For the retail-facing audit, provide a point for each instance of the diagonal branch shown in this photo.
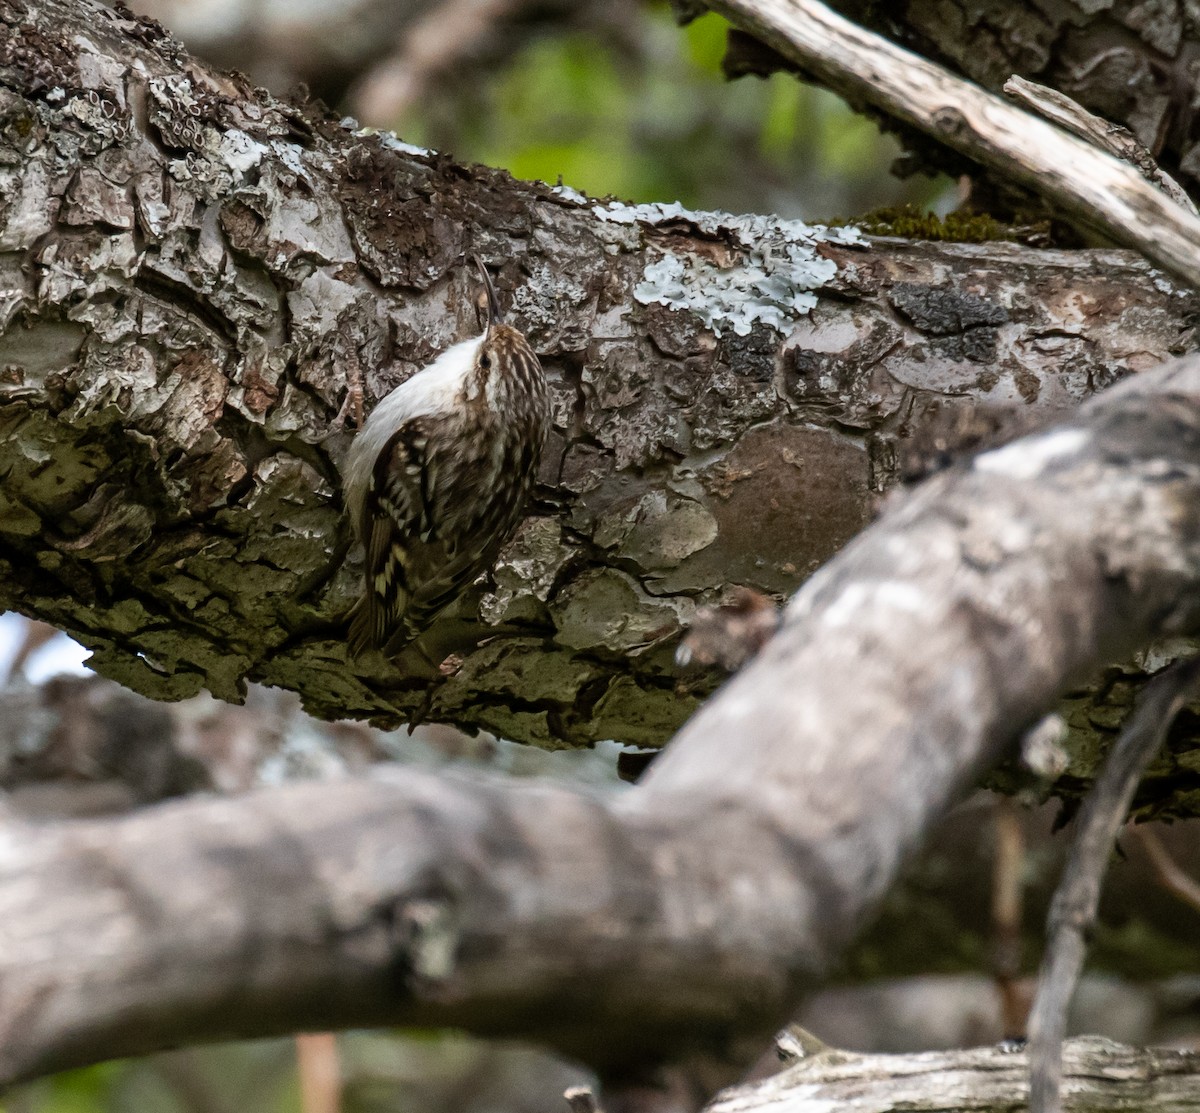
(1118, 141)
(1073, 911)
(1089, 184)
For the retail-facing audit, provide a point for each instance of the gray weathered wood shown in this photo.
(1092, 186)
(1099, 1075)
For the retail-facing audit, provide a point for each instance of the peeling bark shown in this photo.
(193, 275)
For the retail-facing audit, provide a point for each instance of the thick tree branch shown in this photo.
(195, 276)
(86, 746)
(691, 910)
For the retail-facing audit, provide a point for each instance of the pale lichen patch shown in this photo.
(774, 281)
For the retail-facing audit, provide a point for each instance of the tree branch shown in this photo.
(194, 276)
(683, 919)
(1102, 1075)
(1118, 141)
(1125, 63)
(1093, 187)
(1073, 910)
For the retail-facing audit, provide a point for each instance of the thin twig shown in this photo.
(33, 636)
(1166, 869)
(1007, 902)
(443, 36)
(1073, 909)
(1090, 185)
(319, 1067)
(1119, 141)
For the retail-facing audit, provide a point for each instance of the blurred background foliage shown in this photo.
(610, 95)
(650, 117)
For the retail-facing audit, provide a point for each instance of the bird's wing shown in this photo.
(397, 516)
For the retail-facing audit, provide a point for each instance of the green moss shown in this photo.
(911, 223)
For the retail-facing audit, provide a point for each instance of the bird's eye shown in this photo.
(485, 361)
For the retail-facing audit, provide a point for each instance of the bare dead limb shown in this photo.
(1168, 872)
(1073, 910)
(1118, 141)
(1102, 1075)
(1089, 184)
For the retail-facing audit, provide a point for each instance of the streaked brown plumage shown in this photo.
(436, 481)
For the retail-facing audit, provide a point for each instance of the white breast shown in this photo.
(435, 389)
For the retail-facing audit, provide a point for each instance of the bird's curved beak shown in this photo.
(494, 316)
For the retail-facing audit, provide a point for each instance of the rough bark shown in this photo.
(1100, 1074)
(194, 275)
(682, 918)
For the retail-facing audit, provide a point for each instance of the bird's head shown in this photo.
(503, 352)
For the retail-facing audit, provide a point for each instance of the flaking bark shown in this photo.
(195, 275)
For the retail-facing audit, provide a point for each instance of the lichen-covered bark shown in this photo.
(193, 277)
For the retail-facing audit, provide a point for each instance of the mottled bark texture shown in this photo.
(1099, 1074)
(680, 920)
(1136, 64)
(194, 278)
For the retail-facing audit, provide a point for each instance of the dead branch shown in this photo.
(1101, 1075)
(1113, 60)
(1118, 141)
(1168, 872)
(1089, 184)
(1073, 910)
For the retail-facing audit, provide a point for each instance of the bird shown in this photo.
(436, 480)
